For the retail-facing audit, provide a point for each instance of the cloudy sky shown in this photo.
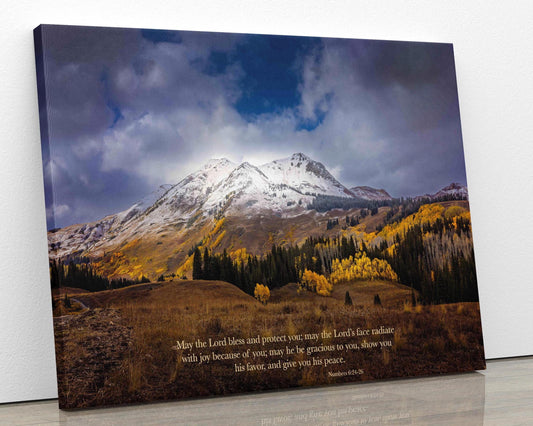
(132, 109)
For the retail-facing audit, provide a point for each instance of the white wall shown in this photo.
(494, 61)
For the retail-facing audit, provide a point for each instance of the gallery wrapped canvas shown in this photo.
(235, 212)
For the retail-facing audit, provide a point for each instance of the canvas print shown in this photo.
(235, 212)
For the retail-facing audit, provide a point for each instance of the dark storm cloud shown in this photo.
(426, 71)
(81, 190)
(77, 63)
(395, 105)
(111, 93)
(407, 63)
(131, 109)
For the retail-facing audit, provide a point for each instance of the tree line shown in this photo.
(436, 259)
(83, 275)
(276, 269)
(280, 266)
(323, 203)
(453, 280)
(401, 207)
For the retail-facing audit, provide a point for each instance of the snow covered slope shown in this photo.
(283, 187)
(222, 187)
(304, 175)
(247, 190)
(369, 193)
(454, 190)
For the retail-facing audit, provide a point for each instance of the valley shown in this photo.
(282, 254)
(122, 350)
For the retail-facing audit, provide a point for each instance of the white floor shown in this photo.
(501, 395)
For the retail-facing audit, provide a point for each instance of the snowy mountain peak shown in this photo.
(454, 186)
(304, 175)
(454, 189)
(282, 185)
(246, 165)
(247, 171)
(300, 156)
(283, 188)
(218, 162)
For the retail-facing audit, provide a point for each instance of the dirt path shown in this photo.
(83, 305)
(102, 299)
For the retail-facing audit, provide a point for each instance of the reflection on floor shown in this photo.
(501, 395)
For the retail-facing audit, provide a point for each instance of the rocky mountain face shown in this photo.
(283, 188)
(369, 193)
(454, 190)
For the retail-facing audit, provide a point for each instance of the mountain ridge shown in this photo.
(452, 190)
(281, 188)
(369, 193)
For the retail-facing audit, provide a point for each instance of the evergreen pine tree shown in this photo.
(207, 265)
(197, 270)
(347, 299)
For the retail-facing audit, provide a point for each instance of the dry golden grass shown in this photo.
(434, 340)
(392, 295)
(56, 292)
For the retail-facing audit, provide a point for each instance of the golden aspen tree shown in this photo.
(361, 268)
(317, 283)
(262, 293)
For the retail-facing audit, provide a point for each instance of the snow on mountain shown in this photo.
(75, 239)
(141, 206)
(282, 187)
(304, 175)
(454, 189)
(247, 189)
(369, 193)
(188, 195)
(79, 238)
(194, 189)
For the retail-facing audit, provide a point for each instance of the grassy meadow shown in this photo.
(119, 346)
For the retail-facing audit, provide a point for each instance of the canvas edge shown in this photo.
(38, 38)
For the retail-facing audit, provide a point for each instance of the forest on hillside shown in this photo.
(427, 247)
(323, 203)
(83, 275)
(430, 251)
